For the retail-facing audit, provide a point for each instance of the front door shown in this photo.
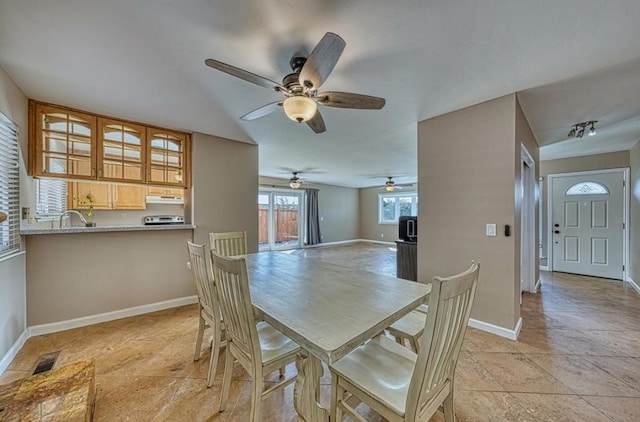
(587, 223)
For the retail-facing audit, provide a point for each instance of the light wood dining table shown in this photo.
(327, 309)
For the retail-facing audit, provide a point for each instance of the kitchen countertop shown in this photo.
(105, 229)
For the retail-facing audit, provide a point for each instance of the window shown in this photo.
(51, 197)
(9, 188)
(587, 188)
(391, 206)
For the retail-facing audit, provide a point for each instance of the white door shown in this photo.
(587, 224)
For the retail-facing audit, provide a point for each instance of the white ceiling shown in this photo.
(575, 60)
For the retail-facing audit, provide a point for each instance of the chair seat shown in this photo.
(424, 308)
(273, 343)
(411, 324)
(381, 368)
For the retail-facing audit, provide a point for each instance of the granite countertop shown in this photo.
(104, 229)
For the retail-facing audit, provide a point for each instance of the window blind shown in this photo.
(51, 197)
(9, 188)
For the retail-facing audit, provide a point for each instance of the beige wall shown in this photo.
(369, 227)
(569, 165)
(467, 164)
(634, 214)
(13, 104)
(225, 188)
(338, 208)
(77, 275)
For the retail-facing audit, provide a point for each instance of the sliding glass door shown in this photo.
(280, 219)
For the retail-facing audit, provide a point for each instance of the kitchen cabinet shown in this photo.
(72, 144)
(121, 151)
(62, 142)
(106, 196)
(166, 192)
(169, 158)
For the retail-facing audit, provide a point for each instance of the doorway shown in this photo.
(280, 219)
(528, 241)
(588, 215)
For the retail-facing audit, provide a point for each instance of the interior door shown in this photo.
(587, 224)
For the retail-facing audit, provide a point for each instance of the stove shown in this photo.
(154, 220)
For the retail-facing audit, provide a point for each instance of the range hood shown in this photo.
(164, 200)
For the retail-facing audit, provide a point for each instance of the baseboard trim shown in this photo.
(339, 242)
(346, 242)
(497, 330)
(13, 351)
(634, 285)
(544, 267)
(54, 327)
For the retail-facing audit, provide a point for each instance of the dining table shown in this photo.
(328, 309)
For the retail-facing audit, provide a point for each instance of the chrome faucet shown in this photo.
(79, 214)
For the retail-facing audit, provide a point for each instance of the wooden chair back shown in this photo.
(232, 285)
(229, 243)
(207, 295)
(450, 304)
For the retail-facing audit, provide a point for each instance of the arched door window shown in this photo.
(587, 188)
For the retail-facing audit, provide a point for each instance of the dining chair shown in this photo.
(209, 310)
(259, 348)
(399, 384)
(410, 327)
(229, 243)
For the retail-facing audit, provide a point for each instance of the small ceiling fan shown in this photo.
(301, 87)
(391, 186)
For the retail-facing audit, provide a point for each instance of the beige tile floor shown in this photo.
(577, 359)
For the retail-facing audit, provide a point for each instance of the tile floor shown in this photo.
(577, 359)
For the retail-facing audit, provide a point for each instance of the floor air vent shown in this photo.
(46, 362)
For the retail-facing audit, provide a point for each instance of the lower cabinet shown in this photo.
(106, 196)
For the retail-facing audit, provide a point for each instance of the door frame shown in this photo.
(301, 216)
(528, 253)
(625, 214)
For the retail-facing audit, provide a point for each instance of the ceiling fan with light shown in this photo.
(301, 87)
(295, 182)
(391, 186)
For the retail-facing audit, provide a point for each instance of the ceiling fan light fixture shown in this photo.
(294, 183)
(300, 108)
(389, 187)
(577, 130)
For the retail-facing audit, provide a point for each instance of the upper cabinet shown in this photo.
(168, 157)
(121, 151)
(72, 144)
(63, 143)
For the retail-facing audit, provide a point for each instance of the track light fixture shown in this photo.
(577, 130)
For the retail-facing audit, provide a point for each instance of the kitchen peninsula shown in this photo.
(112, 272)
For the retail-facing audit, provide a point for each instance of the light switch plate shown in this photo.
(491, 229)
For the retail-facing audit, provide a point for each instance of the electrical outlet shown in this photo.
(381, 234)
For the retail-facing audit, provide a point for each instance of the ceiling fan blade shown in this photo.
(350, 100)
(243, 74)
(321, 61)
(262, 111)
(317, 123)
